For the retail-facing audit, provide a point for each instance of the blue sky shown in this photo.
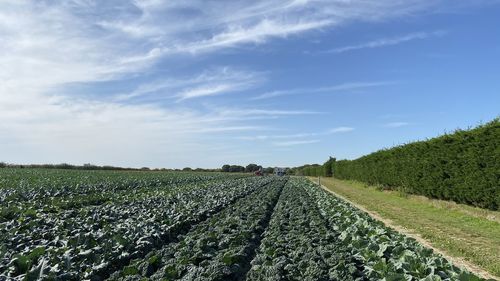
(203, 83)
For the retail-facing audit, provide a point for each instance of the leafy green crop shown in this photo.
(298, 245)
(82, 239)
(195, 226)
(384, 252)
(219, 248)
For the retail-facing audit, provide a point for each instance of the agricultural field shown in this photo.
(131, 225)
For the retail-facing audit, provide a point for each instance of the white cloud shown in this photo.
(336, 88)
(229, 129)
(298, 135)
(47, 45)
(293, 143)
(263, 112)
(258, 33)
(341, 130)
(396, 124)
(208, 90)
(248, 114)
(208, 83)
(388, 41)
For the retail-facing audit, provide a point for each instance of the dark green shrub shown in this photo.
(463, 167)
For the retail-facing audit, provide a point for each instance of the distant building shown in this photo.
(279, 171)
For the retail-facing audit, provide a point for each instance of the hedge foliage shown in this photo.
(463, 167)
(312, 170)
(316, 170)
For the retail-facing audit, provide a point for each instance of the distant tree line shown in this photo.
(232, 169)
(250, 168)
(188, 169)
(64, 166)
(96, 167)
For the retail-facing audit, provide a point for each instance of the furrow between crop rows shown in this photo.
(219, 248)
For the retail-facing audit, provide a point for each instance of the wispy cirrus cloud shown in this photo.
(396, 124)
(293, 143)
(335, 88)
(229, 129)
(256, 34)
(298, 135)
(264, 113)
(237, 114)
(383, 42)
(207, 90)
(211, 82)
(340, 130)
(215, 88)
(185, 25)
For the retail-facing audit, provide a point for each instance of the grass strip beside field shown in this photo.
(467, 234)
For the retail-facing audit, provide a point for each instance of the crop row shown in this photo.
(384, 252)
(220, 248)
(92, 241)
(22, 188)
(298, 245)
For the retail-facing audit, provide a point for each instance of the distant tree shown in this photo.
(187, 169)
(236, 169)
(269, 170)
(226, 168)
(145, 168)
(250, 168)
(328, 167)
(64, 166)
(3, 165)
(89, 166)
